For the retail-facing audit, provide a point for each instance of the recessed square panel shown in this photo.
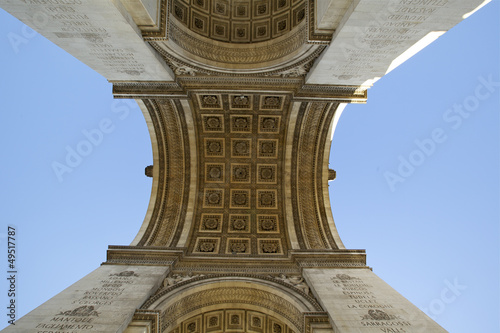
(193, 325)
(214, 172)
(212, 123)
(261, 8)
(267, 199)
(208, 245)
(256, 322)
(280, 5)
(298, 15)
(241, 32)
(238, 246)
(241, 147)
(266, 174)
(239, 223)
(214, 321)
(220, 30)
(199, 23)
(213, 198)
(267, 223)
(275, 326)
(235, 320)
(271, 102)
(211, 223)
(269, 246)
(241, 123)
(281, 25)
(201, 5)
(221, 8)
(241, 10)
(241, 102)
(269, 124)
(180, 12)
(214, 147)
(240, 199)
(267, 148)
(210, 101)
(240, 173)
(261, 30)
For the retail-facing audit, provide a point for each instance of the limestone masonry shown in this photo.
(241, 98)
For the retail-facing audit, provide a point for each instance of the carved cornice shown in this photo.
(315, 36)
(151, 316)
(293, 264)
(314, 320)
(294, 85)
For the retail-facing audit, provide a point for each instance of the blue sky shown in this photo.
(417, 181)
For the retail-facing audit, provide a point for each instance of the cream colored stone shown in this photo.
(374, 33)
(359, 301)
(103, 301)
(100, 33)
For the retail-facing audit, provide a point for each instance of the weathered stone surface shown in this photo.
(373, 35)
(100, 33)
(103, 301)
(359, 301)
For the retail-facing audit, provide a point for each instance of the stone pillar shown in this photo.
(99, 33)
(103, 301)
(375, 36)
(359, 301)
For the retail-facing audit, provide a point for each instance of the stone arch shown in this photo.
(196, 301)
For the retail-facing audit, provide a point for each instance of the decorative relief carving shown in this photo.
(296, 281)
(214, 147)
(267, 148)
(241, 147)
(271, 102)
(234, 320)
(269, 124)
(230, 55)
(82, 311)
(207, 245)
(267, 223)
(240, 173)
(241, 124)
(210, 102)
(301, 70)
(238, 245)
(214, 198)
(234, 187)
(267, 199)
(171, 134)
(173, 279)
(240, 199)
(266, 174)
(307, 155)
(125, 273)
(213, 123)
(214, 172)
(197, 17)
(238, 102)
(239, 223)
(379, 315)
(180, 69)
(269, 246)
(211, 223)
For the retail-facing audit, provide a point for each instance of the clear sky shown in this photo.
(417, 172)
